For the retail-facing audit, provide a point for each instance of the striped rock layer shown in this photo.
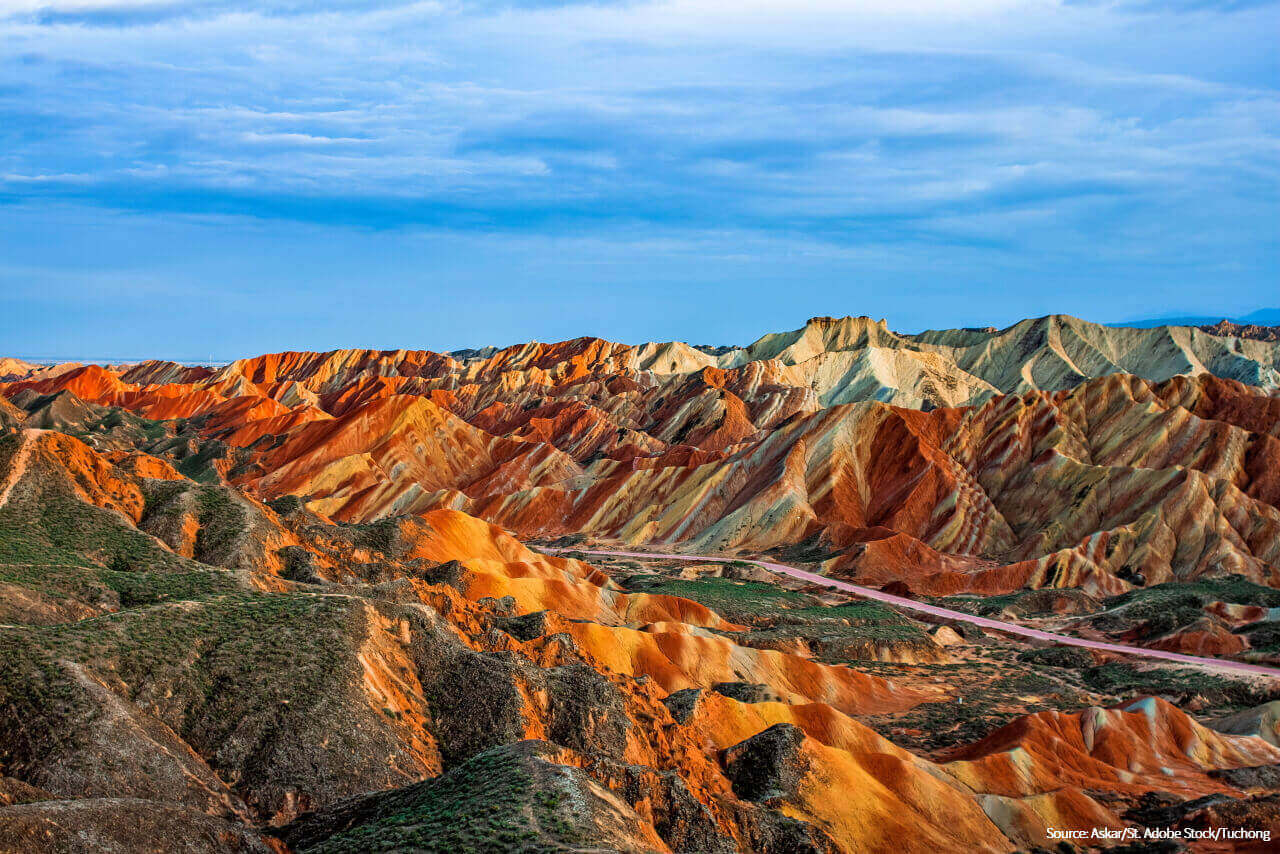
(1052, 453)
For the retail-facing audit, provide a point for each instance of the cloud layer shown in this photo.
(1019, 134)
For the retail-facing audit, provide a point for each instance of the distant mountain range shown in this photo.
(1261, 317)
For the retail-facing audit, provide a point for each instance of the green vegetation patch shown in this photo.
(63, 548)
(58, 529)
(854, 613)
(1125, 682)
(1263, 636)
(147, 588)
(93, 584)
(492, 802)
(129, 423)
(1069, 657)
(200, 465)
(777, 615)
(736, 600)
(221, 520)
(1231, 588)
(1169, 607)
(869, 620)
(990, 697)
(218, 671)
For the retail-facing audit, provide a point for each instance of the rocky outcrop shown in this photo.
(1262, 721)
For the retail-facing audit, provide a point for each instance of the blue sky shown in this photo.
(192, 178)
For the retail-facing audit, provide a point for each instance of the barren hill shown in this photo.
(1052, 453)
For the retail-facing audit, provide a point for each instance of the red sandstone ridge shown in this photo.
(1052, 453)
(397, 452)
(1245, 330)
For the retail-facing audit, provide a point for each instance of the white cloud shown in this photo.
(763, 114)
(22, 7)
(300, 139)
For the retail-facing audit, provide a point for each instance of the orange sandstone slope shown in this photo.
(808, 758)
(655, 636)
(1128, 749)
(445, 642)
(1052, 453)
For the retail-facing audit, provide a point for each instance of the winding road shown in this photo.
(959, 616)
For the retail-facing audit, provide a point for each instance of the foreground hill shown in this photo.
(183, 667)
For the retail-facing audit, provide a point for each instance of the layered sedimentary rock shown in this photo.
(191, 663)
(1053, 453)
